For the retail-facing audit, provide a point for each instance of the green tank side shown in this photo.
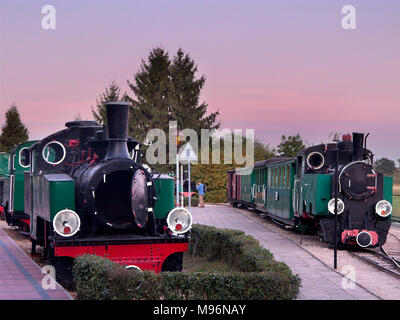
(51, 194)
(317, 191)
(165, 195)
(18, 170)
(388, 189)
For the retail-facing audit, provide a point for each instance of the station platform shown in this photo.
(318, 281)
(21, 278)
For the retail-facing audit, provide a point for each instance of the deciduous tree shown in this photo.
(290, 145)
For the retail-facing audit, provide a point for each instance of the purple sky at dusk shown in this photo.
(279, 67)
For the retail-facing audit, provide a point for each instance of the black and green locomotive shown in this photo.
(300, 192)
(84, 191)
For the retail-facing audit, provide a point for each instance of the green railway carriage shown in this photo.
(18, 164)
(247, 186)
(300, 192)
(280, 180)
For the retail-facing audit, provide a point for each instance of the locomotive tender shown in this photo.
(300, 192)
(85, 192)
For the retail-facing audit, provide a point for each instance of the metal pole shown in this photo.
(177, 181)
(190, 198)
(336, 210)
(182, 203)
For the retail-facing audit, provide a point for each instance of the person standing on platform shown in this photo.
(200, 190)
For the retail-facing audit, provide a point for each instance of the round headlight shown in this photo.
(340, 206)
(66, 223)
(383, 208)
(179, 220)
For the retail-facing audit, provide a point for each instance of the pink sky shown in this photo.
(279, 67)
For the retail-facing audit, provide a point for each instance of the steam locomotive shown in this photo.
(83, 190)
(300, 192)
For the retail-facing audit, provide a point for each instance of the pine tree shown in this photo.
(153, 91)
(14, 131)
(186, 109)
(112, 93)
(168, 91)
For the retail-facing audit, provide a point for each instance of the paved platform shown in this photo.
(21, 278)
(319, 282)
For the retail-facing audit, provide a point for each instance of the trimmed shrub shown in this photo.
(91, 274)
(261, 277)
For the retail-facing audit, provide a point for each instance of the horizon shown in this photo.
(280, 68)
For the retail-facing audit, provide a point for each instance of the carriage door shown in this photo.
(297, 189)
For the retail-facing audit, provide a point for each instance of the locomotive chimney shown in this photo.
(117, 127)
(358, 146)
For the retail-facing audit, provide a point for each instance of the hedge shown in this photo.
(259, 276)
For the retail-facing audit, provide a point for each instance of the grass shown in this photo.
(201, 264)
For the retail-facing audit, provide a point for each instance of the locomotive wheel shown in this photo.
(64, 275)
(173, 263)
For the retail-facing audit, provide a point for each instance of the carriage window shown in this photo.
(299, 165)
(273, 177)
(23, 158)
(54, 152)
(278, 178)
(284, 177)
(288, 176)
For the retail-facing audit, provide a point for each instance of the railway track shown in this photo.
(388, 262)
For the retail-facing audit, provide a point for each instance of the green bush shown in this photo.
(261, 277)
(235, 248)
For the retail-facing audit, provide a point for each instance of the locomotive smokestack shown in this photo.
(358, 146)
(117, 127)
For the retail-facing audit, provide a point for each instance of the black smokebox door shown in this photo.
(139, 198)
(113, 198)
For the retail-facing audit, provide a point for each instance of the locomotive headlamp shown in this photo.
(383, 208)
(66, 223)
(179, 220)
(340, 206)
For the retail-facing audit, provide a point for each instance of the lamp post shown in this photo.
(336, 208)
(188, 154)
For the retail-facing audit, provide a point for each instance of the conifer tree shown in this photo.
(112, 93)
(151, 107)
(14, 131)
(186, 95)
(168, 91)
